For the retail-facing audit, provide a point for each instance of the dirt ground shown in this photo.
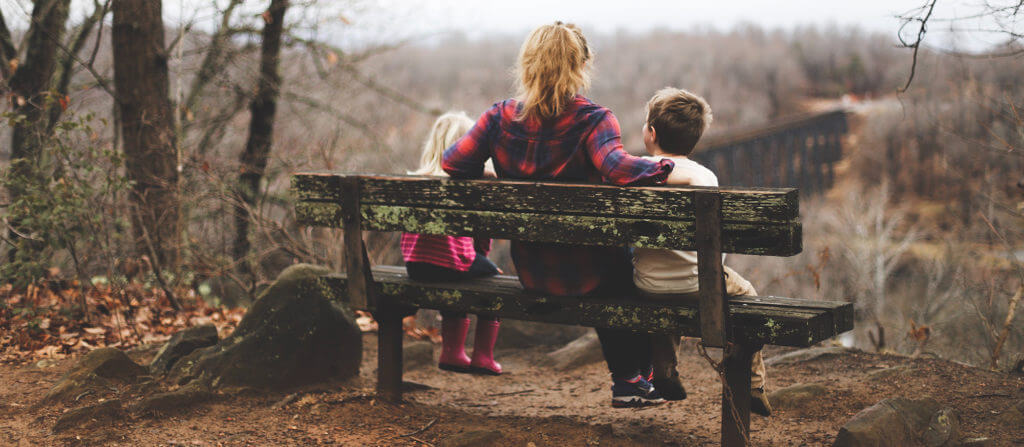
(529, 406)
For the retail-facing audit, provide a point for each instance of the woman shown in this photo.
(550, 132)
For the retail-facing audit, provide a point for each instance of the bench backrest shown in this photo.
(756, 221)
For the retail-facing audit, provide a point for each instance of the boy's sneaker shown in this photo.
(759, 402)
(634, 393)
(670, 388)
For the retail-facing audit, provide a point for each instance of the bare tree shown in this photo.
(29, 85)
(147, 126)
(261, 126)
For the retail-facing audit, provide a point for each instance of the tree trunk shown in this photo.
(261, 127)
(66, 68)
(147, 127)
(29, 85)
(7, 50)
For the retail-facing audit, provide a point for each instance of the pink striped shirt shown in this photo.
(453, 252)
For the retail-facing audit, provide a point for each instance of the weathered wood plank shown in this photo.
(675, 203)
(714, 321)
(356, 260)
(775, 239)
(736, 396)
(754, 319)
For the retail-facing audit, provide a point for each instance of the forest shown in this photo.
(145, 166)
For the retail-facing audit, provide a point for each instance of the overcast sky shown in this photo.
(384, 20)
(478, 18)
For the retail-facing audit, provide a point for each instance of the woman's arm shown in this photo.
(604, 145)
(466, 158)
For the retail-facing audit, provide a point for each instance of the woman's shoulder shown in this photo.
(587, 105)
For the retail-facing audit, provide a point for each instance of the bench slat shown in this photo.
(737, 237)
(759, 205)
(757, 319)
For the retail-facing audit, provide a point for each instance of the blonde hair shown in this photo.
(447, 129)
(553, 66)
(679, 119)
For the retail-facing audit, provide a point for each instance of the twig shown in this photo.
(512, 393)
(421, 430)
(158, 272)
(979, 396)
(917, 43)
(421, 441)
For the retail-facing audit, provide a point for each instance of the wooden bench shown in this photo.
(711, 221)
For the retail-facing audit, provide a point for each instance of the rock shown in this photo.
(170, 401)
(104, 410)
(474, 439)
(520, 334)
(804, 355)
(293, 335)
(1013, 416)
(182, 344)
(46, 363)
(796, 396)
(899, 422)
(220, 291)
(886, 373)
(417, 354)
(579, 352)
(96, 372)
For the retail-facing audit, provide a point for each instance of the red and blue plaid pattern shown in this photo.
(583, 144)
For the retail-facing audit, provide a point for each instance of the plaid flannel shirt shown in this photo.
(583, 144)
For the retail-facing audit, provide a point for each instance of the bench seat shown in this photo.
(760, 320)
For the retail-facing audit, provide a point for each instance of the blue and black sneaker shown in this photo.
(634, 393)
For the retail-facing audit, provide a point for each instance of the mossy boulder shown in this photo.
(100, 412)
(417, 354)
(168, 402)
(99, 370)
(182, 344)
(806, 355)
(579, 352)
(293, 335)
(901, 422)
(797, 396)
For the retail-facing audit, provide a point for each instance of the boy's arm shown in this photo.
(604, 145)
(465, 158)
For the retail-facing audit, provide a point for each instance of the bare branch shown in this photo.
(66, 71)
(7, 50)
(917, 43)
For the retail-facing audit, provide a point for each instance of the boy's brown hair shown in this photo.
(679, 118)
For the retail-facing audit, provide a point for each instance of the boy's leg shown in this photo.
(736, 285)
(664, 362)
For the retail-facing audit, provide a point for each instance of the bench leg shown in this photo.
(737, 376)
(389, 353)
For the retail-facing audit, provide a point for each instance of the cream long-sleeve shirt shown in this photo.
(672, 271)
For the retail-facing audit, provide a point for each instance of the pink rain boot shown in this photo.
(453, 344)
(483, 348)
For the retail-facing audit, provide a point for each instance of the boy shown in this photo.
(676, 119)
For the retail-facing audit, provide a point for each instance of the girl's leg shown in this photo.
(454, 328)
(482, 267)
(483, 345)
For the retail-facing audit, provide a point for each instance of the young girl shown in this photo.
(449, 258)
(550, 132)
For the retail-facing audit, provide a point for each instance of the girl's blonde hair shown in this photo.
(447, 129)
(553, 66)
